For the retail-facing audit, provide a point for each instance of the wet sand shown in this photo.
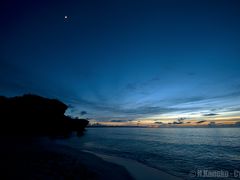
(137, 170)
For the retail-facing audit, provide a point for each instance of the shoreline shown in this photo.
(47, 159)
(137, 170)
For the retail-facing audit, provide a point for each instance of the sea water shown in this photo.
(182, 152)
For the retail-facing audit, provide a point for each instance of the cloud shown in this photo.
(83, 112)
(179, 122)
(237, 124)
(212, 124)
(119, 120)
(185, 100)
(158, 122)
(142, 85)
(210, 114)
(103, 111)
(200, 122)
(234, 109)
(181, 119)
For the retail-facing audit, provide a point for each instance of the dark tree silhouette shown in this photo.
(34, 115)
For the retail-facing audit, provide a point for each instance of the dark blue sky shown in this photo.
(125, 60)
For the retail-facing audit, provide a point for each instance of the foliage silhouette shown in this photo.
(33, 115)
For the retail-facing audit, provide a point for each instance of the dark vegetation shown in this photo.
(25, 153)
(32, 115)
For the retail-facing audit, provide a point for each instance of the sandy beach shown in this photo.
(36, 160)
(44, 159)
(137, 170)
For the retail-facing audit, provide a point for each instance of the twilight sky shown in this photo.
(126, 61)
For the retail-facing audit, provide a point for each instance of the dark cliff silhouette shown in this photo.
(34, 115)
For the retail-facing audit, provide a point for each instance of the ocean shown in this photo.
(183, 152)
